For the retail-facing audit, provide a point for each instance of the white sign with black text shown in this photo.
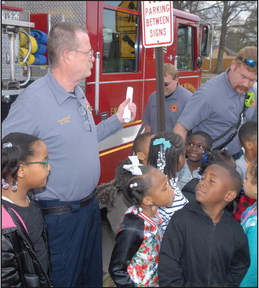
(157, 23)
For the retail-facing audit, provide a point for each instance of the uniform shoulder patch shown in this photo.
(174, 107)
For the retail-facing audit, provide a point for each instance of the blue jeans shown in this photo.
(75, 243)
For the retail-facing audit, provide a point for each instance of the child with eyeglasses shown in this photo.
(25, 258)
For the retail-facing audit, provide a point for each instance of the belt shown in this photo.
(69, 207)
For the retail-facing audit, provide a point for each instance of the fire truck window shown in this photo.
(185, 48)
(133, 5)
(120, 37)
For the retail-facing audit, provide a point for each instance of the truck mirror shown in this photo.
(206, 40)
(199, 62)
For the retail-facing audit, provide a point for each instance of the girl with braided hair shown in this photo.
(25, 258)
(167, 153)
(112, 196)
(134, 259)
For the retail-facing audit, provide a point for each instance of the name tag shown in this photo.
(64, 120)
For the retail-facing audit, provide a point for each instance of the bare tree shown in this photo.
(225, 15)
(243, 33)
(229, 11)
(195, 7)
(190, 6)
(249, 31)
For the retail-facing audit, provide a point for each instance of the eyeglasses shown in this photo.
(90, 53)
(83, 113)
(38, 162)
(167, 84)
(249, 62)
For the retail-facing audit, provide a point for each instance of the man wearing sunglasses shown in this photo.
(225, 102)
(176, 98)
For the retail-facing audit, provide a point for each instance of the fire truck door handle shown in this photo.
(171, 58)
(97, 83)
(175, 61)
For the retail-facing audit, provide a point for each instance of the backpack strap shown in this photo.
(18, 222)
(7, 220)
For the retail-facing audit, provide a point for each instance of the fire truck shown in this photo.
(121, 60)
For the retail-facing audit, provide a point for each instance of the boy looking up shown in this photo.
(203, 245)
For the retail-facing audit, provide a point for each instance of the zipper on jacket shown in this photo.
(210, 252)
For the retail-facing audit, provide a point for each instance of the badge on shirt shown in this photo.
(174, 107)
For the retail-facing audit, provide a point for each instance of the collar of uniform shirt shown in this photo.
(60, 93)
(172, 92)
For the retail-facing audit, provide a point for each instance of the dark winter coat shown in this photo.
(195, 252)
(20, 264)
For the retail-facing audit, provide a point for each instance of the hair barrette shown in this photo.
(5, 184)
(204, 157)
(7, 145)
(134, 167)
(15, 186)
(161, 161)
(135, 184)
(160, 141)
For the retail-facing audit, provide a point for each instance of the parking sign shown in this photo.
(157, 23)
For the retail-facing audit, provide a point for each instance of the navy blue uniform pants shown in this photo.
(75, 243)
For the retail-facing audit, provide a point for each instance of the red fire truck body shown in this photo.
(115, 31)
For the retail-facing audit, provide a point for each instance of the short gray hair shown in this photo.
(63, 37)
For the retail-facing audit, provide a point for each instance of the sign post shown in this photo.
(160, 94)
(157, 23)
